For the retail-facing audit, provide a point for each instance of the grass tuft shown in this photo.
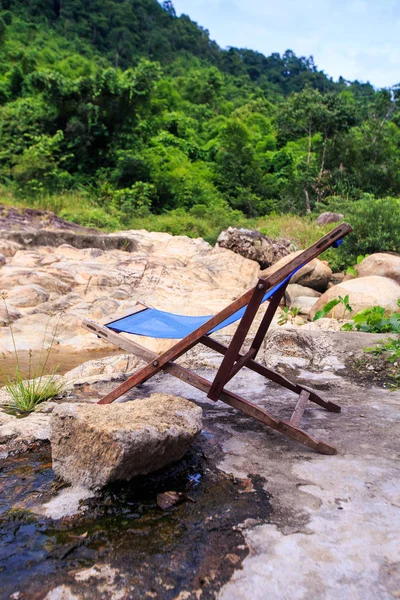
(27, 394)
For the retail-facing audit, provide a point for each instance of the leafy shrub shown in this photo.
(389, 350)
(92, 216)
(326, 309)
(136, 200)
(375, 320)
(376, 226)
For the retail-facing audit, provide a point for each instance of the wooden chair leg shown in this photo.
(273, 376)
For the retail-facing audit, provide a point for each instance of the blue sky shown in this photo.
(358, 39)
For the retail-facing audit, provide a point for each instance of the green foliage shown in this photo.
(391, 347)
(375, 320)
(389, 352)
(135, 201)
(376, 226)
(351, 270)
(288, 315)
(139, 108)
(326, 309)
(26, 395)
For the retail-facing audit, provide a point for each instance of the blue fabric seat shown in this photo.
(151, 322)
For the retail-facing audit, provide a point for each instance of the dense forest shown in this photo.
(126, 101)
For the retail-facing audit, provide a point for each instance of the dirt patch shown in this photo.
(373, 370)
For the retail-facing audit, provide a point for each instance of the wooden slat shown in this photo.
(231, 355)
(192, 339)
(267, 318)
(119, 340)
(139, 307)
(240, 363)
(299, 408)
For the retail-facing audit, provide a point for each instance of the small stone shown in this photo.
(169, 499)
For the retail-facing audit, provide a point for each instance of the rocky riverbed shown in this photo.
(253, 514)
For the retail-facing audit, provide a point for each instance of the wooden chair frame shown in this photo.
(233, 360)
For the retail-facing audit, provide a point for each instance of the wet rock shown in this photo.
(328, 217)
(254, 245)
(22, 296)
(94, 445)
(65, 504)
(363, 292)
(316, 274)
(382, 264)
(17, 435)
(294, 290)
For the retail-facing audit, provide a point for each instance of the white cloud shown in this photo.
(357, 39)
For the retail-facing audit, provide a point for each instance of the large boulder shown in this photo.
(363, 292)
(328, 217)
(254, 245)
(304, 304)
(294, 290)
(316, 274)
(94, 445)
(382, 264)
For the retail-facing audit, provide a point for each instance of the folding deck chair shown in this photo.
(146, 321)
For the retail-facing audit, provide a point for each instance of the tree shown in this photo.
(169, 8)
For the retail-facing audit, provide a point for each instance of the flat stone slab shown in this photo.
(94, 445)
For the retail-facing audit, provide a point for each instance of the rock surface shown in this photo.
(294, 290)
(363, 292)
(254, 245)
(316, 274)
(176, 274)
(23, 296)
(94, 445)
(304, 304)
(328, 217)
(382, 264)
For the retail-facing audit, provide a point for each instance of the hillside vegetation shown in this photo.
(117, 113)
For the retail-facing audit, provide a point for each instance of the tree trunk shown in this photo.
(307, 197)
(308, 206)
(319, 190)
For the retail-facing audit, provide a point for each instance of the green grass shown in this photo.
(27, 393)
